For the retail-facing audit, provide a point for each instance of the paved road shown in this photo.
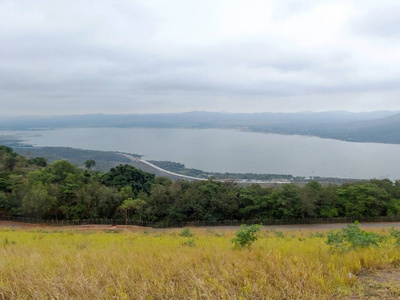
(153, 169)
(160, 170)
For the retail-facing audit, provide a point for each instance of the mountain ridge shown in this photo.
(377, 126)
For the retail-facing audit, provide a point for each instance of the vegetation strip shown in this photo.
(190, 263)
(57, 192)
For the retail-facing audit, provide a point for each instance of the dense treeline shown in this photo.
(31, 187)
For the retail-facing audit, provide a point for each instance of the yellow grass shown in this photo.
(38, 264)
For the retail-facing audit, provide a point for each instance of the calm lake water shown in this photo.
(234, 151)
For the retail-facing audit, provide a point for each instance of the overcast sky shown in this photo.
(141, 56)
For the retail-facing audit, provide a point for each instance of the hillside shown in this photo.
(105, 160)
(385, 130)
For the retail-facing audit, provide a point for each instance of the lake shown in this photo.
(221, 150)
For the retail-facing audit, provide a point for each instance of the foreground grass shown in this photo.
(39, 264)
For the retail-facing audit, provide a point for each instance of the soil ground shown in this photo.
(12, 224)
(379, 284)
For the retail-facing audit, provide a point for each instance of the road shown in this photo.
(161, 172)
(153, 169)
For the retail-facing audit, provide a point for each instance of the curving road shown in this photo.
(161, 171)
(151, 168)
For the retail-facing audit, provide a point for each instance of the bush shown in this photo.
(394, 233)
(352, 238)
(190, 243)
(246, 236)
(186, 232)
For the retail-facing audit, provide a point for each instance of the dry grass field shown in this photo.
(46, 263)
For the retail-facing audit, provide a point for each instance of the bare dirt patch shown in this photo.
(11, 224)
(379, 284)
(19, 225)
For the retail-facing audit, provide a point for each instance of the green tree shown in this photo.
(309, 197)
(8, 158)
(10, 162)
(18, 189)
(139, 205)
(363, 199)
(4, 203)
(109, 201)
(286, 201)
(160, 202)
(90, 163)
(61, 168)
(129, 206)
(126, 192)
(328, 206)
(393, 207)
(37, 202)
(127, 175)
(41, 175)
(38, 161)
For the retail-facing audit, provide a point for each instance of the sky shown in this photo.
(156, 56)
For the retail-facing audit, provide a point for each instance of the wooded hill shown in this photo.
(61, 190)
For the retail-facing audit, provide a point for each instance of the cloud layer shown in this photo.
(70, 57)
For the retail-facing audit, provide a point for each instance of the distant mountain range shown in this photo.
(378, 126)
(384, 130)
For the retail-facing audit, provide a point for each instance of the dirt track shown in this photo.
(11, 224)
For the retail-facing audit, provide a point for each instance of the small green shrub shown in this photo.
(190, 243)
(394, 233)
(186, 232)
(246, 236)
(212, 232)
(352, 238)
(316, 235)
(6, 242)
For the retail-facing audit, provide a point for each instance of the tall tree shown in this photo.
(90, 163)
(129, 206)
(37, 202)
(309, 197)
(127, 175)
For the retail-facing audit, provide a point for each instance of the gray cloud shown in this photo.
(381, 22)
(144, 56)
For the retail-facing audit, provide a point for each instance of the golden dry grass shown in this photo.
(39, 264)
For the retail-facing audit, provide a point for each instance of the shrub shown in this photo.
(190, 243)
(394, 233)
(352, 238)
(316, 235)
(186, 232)
(246, 236)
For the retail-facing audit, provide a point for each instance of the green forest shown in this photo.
(62, 191)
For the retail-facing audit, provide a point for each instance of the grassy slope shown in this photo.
(39, 264)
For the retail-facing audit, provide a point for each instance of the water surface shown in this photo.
(221, 150)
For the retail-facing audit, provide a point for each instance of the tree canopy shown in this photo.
(61, 190)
